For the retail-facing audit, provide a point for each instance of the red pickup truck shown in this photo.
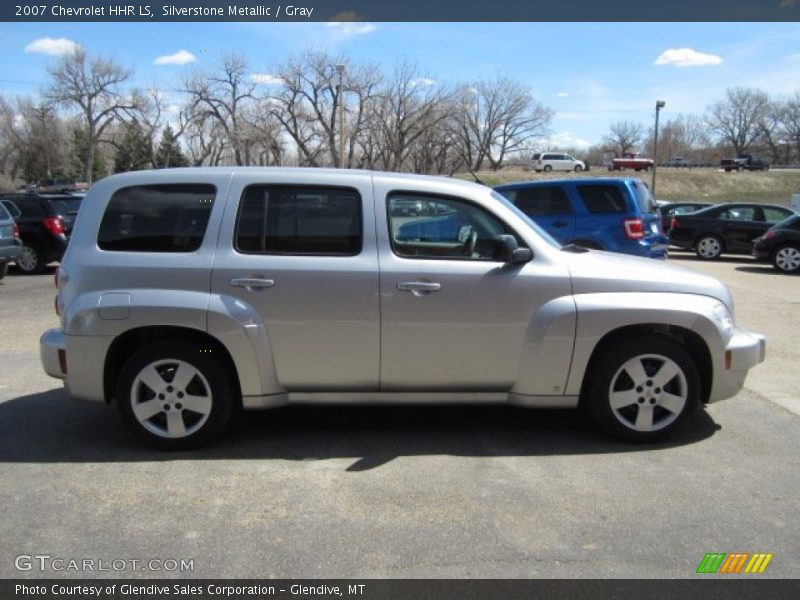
(631, 160)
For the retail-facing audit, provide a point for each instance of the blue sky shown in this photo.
(591, 74)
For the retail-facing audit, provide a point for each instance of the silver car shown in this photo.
(10, 244)
(187, 293)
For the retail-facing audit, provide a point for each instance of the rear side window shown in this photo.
(4, 216)
(157, 218)
(299, 220)
(543, 201)
(11, 208)
(602, 198)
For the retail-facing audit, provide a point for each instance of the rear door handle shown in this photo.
(252, 284)
(419, 288)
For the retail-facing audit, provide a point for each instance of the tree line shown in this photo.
(319, 109)
(745, 121)
(88, 121)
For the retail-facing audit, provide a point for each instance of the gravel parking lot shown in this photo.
(405, 492)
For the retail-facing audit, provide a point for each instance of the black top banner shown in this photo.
(406, 10)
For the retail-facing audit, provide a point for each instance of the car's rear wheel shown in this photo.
(708, 247)
(548, 168)
(175, 394)
(643, 388)
(31, 261)
(787, 258)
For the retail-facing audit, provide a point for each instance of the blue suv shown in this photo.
(616, 214)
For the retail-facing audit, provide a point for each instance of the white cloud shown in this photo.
(346, 29)
(566, 139)
(52, 46)
(181, 57)
(265, 78)
(687, 57)
(794, 57)
(561, 94)
(423, 81)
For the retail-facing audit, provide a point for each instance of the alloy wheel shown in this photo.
(648, 392)
(788, 259)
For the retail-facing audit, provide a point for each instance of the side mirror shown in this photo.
(507, 250)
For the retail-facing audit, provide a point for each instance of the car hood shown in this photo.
(597, 271)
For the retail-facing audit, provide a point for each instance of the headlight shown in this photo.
(723, 318)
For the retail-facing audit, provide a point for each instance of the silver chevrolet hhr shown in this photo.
(187, 293)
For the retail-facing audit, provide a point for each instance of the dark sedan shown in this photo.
(673, 209)
(724, 228)
(781, 245)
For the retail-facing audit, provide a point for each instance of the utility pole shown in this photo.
(340, 70)
(659, 105)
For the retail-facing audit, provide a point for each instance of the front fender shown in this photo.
(602, 313)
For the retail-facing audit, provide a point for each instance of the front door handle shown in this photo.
(419, 288)
(252, 284)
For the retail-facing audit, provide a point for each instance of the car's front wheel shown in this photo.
(578, 168)
(643, 388)
(787, 258)
(709, 247)
(175, 394)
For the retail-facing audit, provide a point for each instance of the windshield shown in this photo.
(542, 233)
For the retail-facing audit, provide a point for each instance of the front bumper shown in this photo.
(52, 347)
(744, 351)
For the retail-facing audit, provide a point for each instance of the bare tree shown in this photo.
(406, 106)
(495, 117)
(736, 119)
(222, 95)
(91, 84)
(790, 121)
(308, 105)
(623, 137)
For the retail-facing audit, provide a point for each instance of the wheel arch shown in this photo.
(685, 337)
(130, 341)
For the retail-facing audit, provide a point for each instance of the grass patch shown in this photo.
(708, 185)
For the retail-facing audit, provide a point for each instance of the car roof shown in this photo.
(290, 172)
(582, 181)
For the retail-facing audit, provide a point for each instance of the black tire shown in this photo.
(33, 262)
(3, 270)
(214, 379)
(709, 247)
(578, 168)
(548, 168)
(785, 258)
(653, 352)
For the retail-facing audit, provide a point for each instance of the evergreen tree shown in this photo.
(169, 152)
(133, 150)
(80, 150)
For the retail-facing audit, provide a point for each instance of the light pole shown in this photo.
(340, 71)
(659, 105)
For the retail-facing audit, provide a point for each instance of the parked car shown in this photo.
(781, 245)
(724, 228)
(45, 223)
(550, 161)
(615, 214)
(60, 186)
(673, 209)
(10, 245)
(186, 293)
(678, 162)
(631, 160)
(744, 162)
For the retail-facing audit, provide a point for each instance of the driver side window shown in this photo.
(424, 226)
